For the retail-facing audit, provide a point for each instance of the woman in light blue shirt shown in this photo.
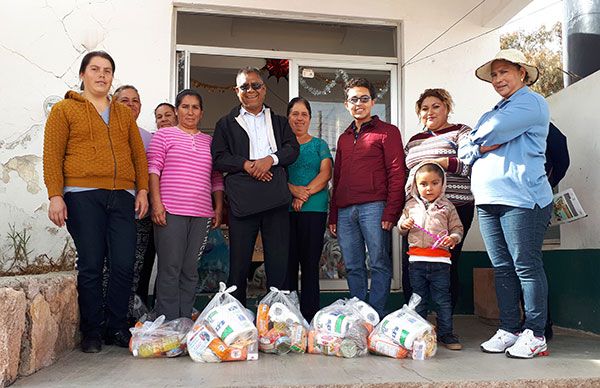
(513, 198)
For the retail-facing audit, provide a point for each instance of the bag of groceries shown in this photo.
(342, 328)
(404, 332)
(224, 331)
(281, 327)
(159, 338)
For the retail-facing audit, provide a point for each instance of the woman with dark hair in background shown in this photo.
(307, 180)
(145, 252)
(96, 174)
(181, 183)
(165, 115)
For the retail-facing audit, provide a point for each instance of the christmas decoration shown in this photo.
(344, 77)
(278, 68)
(212, 88)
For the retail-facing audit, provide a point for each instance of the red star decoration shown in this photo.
(278, 68)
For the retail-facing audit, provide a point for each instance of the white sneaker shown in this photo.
(501, 341)
(528, 346)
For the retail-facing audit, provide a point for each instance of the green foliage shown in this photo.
(543, 48)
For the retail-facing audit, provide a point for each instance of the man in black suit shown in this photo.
(252, 146)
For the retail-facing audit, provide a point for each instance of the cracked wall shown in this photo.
(41, 46)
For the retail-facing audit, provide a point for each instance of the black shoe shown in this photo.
(118, 338)
(548, 331)
(450, 341)
(91, 345)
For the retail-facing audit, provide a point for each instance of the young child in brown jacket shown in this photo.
(433, 228)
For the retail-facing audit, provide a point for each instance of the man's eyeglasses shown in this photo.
(363, 99)
(253, 85)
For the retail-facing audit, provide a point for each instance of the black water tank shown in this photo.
(582, 45)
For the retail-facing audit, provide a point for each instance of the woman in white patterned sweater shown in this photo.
(438, 141)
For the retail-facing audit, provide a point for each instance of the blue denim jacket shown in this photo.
(513, 174)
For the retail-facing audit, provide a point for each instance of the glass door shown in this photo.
(323, 86)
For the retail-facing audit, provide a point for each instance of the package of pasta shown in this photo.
(224, 331)
(340, 329)
(159, 338)
(403, 333)
(281, 327)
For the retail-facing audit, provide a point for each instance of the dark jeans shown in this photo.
(466, 214)
(431, 281)
(101, 223)
(307, 230)
(513, 238)
(274, 226)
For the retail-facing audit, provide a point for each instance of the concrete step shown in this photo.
(574, 361)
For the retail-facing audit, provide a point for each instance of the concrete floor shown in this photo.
(574, 361)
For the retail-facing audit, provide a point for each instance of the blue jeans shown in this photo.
(431, 281)
(513, 238)
(356, 225)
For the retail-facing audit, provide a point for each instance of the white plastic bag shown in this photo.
(224, 331)
(281, 327)
(406, 329)
(159, 338)
(339, 329)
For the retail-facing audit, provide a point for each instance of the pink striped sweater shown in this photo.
(184, 165)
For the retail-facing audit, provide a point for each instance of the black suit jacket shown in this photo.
(557, 155)
(231, 149)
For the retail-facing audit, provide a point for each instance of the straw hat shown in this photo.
(484, 71)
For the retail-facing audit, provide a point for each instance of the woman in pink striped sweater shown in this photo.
(181, 184)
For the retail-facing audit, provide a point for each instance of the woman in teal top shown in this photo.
(307, 180)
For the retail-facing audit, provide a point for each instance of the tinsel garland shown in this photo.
(212, 88)
(342, 75)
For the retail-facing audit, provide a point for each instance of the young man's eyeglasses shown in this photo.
(362, 99)
(253, 85)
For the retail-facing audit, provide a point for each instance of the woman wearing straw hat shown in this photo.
(513, 199)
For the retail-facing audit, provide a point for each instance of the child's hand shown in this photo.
(449, 242)
(407, 223)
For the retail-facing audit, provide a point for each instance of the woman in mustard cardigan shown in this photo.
(96, 174)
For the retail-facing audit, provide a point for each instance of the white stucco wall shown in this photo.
(42, 43)
(573, 110)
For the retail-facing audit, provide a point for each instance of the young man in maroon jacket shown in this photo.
(368, 194)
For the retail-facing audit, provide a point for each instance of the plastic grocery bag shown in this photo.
(404, 332)
(281, 327)
(224, 331)
(340, 329)
(159, 338)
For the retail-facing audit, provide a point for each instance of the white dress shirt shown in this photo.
(257, 132)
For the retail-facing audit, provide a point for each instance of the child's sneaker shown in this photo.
(527, 346)
(450, 341)
(501, 341)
